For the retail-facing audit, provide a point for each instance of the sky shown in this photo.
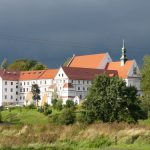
(50, 31)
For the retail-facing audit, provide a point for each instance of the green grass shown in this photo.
(25, 116)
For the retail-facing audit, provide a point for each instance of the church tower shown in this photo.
(123, 58)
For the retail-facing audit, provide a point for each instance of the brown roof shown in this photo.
(9, 75)
(122, 70)
(87, 61)
(28, 75)
(86, 73)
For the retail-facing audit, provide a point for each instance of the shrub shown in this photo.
(59, 105)
(40, 109)
(31, 106)
(54, 101)
(47, 111)
(70, 104)
(67, 116)
(0, 116)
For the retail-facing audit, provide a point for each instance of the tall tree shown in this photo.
(109, 100)
(36, 93)
(4, 64)
(145, 84)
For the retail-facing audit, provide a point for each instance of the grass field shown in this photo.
(28, 129)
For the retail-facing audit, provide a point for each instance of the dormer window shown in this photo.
(135, 70)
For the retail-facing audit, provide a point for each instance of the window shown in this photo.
(5, 82)
(21, 84)
(45, 89)
(78, 88)
(79, 81)
(62, 75)
(27, 89)
(20, 90)
(23, 89)
(45, 82)
(40, 82)
(16, 93)
(5, 89)
(11, 83)
(5, 96)
(87, 82)
(83, 88)
(23, 97)
(83, 81)
(16, 86)
(80, 96)
(24, 83)
(135, 70)
(11, 97)
(20, 97)
(11, 90)
(27, 83)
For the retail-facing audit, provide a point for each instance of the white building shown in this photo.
(70, 82)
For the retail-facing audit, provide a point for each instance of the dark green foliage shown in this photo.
(40, 109)
(67, 116)
(47, 111)
(85, 116)
(0, 117)
(109, 100)
(25, 64)
(70, 104)
(54, 101)
(36, 93)
(31, 106)
(59, 105)
(145, 84)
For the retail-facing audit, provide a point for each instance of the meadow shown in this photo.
(29, 129)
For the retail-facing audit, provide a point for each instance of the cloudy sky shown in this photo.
(52, 30)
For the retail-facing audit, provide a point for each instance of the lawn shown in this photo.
(24, 116)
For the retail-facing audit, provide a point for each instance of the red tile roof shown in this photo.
(28, 75)
(76, 73)
(122, 70)
(9, 75)
(87, 61)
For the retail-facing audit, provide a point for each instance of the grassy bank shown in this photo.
(29, 129)
(75, 136)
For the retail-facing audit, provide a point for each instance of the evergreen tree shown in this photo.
(36, 93)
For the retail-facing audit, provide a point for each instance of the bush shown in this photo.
(47, 112)
(40, 109)
(54, 101)
(0, 116)
(59, 105)
(85, 117)
(70, 104)
(31, 106)
(67, 116)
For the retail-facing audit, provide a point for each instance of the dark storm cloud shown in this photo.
(52, 30)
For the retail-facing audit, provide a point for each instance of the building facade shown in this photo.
(69, 82)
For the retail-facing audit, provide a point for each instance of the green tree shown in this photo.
(25, 65)
(4, 64)
(145, 84)
(39, 66)
(109, 100)
(36, 93)
(70, 104)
